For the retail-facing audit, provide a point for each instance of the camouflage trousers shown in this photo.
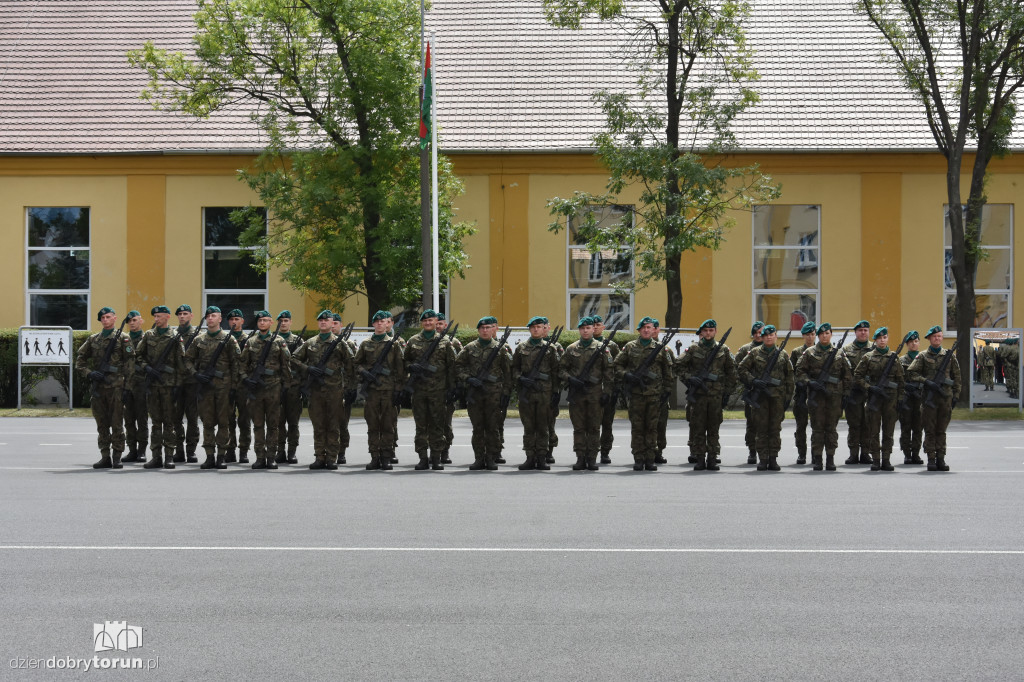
(801, 418)
(449, 434)
(553, 405)
(607, 422)
(136, 418)
(215, 413)
(988, 377)
(380, 416)
(264, 409)
(240, 424)
(880, 425)
(160, 403)
(343, 418)
(485, 414)
(324, 407)
(663, 425)
(430, 412)
(857, 437)
(934, 420)
(586, 413)
(186, 418)
(705, 418)
(108, 411)
(768, 426)
(910, 426)
(288, 424)
(535, 413)
(824, 418)
(644, 411)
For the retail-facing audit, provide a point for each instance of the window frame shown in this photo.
(214, 291)
(600, 291)
(951, 291)
(29, 249)
(800, 248)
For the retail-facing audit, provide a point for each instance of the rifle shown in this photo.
(105, 368)
(372, 376)
(293, 346)
(529, 380)
(931, 388)
(255, 380)
(321, 365)
(417, 369)
(241, 344)
(641, 373)
(160, 366)
(211, 368)
(485, 369)
(190, 338)
(883, 382)
(584, 378)
(698, 384)
(751, 395)
(824, 376)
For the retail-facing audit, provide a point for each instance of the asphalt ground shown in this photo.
(733, 575)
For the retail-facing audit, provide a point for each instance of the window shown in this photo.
(993, 293)
(58, 274)
(592, 277)
(786, 255)
(229, 278)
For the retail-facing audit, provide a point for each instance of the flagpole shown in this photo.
(425, 273)
(433, 150)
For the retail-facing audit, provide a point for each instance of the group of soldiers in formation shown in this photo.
(248, 390)
(1004, 361)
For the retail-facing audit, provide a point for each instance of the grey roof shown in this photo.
(506, 81)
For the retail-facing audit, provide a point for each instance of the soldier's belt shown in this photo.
(947, 382)
(385, 372)
(167, 370)
(491, 379)
(774, 382)
(217, 374)
(268, 372)
(831, 380)
(711, 377)
(541, 376)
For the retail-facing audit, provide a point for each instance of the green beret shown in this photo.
(287, 314)
(490, 319)
(103, 311)
(646, 320)
(756, 327)
(440, 316)
(429, 312)
(261, 313)
(707, 323)
(808, 328)
(336, 317)
(863, 324)
(325, 315)
(597, 318)
(655, 322)
(133, 313)
(211, 309)
(585, 322)
(159, 309)
(880, 331)
(183, 308)
(235, 312)
(380, 315)
(537, 319)
(825, 327)
(931, 331)
(768, 329)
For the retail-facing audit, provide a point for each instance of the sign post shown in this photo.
(41, 346)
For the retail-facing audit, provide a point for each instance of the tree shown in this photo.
(333, 84)
(964, 61)
(670, 136)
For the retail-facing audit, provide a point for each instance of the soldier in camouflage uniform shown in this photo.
(773, 393)
(186, 419)
(291, 398)
(946, 389)
(663, 411)
(987, 365)
(646, 393)
(240, 422)
(450, 397)
(136, 416)
(554, 402)
(880, 409)
(749, 432)
(588, 392)
(608, 415)
(434, 379)
(800, 398)
(326, 390)
(163, 373)
(348, 396)
(910, 408)
(381, 389)
(390, 320)
(107, 385)
(857, 437)
(535, 392)
(218, 382)
(261, 387)
(485, 396)
(704, 411)
(824, 395)
(1011, 367)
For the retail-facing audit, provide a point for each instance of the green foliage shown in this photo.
(669, 136)
(333, 84)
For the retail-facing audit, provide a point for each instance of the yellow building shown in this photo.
(104, 201)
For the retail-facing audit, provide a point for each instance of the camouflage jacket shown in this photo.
(294, 342)
(576, 356)
(721, 377)
(525, 356)
(472, 358)
(926, 365)
(201, 352)
(744, 350)
(339, 371)
(659, 378)
(812, 361)
(152, 346)
(854, 354)
(278, 364)
(122, 359)
(870, 369)
(392, 372)
(782, 383)
(438, 375)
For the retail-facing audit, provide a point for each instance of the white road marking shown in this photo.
(513, 550)
(63, 445)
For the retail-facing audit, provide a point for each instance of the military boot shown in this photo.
(638, 463)
(940, 462)
(387, 458)
(540, 461)
(692, 459)
(762, 464)
(292, 459)
(271, 464)
(886, 464)
(281, 457)
(132, 456)
(649, 464)
(168, 458)
(907, 457)
(605, 459)
(830, 460)
(445, 457)
(319, 462)
(530, 464)
(801, 455)
(660, 458)
(865, 456)
(491, 462)
(243, 456)
(581, 462)
(374, 462)
(701, 463)
(331, 463)
(591, 460)
(773, 463)
(816, 461)
(156, 462)
(115, 460)
(219, 463)
(712, 463)
(932, 466)
(549, 457)
(478, 463)
(260, 463)
(190, 457)
(423, 464)
(916, 457)
(392, 458)
(876, 462)
(854, 456)
(179, 454)
(752, 456)
(341, 456)
(435, 461)
(229, 456)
